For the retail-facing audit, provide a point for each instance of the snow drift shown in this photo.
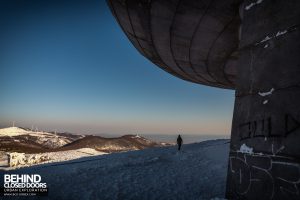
(22, 160)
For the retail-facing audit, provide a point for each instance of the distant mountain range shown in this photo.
(124, 143)
(15, 139)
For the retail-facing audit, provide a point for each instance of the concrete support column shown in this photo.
(264, 161)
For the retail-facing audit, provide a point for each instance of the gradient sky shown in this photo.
(66, 65)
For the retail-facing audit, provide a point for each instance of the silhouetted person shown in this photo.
(179, 142)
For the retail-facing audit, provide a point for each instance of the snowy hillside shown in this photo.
(12, 131)
(15, 136)
(197, 172)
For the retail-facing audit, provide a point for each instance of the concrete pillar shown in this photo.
(264, 161)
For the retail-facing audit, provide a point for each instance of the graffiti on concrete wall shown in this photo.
(263, 127)
(271, 174)
(264, 175)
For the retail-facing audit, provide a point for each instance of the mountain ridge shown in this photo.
(24, 140)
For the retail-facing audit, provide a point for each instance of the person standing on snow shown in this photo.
(179, 142)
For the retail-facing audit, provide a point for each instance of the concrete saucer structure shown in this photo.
(251, 46)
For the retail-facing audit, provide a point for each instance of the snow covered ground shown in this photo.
(22, 160)
(197, 172)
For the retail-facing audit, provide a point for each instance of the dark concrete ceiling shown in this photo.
(195, 40)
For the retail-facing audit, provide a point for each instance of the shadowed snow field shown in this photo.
(197, 172)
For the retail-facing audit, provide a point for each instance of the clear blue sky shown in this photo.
(66, 65)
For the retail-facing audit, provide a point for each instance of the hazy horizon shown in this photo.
(158, 137)
(36, 128)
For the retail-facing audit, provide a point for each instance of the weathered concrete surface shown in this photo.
(267, 106)
(193, 40)
(256, 53)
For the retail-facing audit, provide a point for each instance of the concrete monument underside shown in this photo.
(251, 46)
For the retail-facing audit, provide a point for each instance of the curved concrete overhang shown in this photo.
(194, 40)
